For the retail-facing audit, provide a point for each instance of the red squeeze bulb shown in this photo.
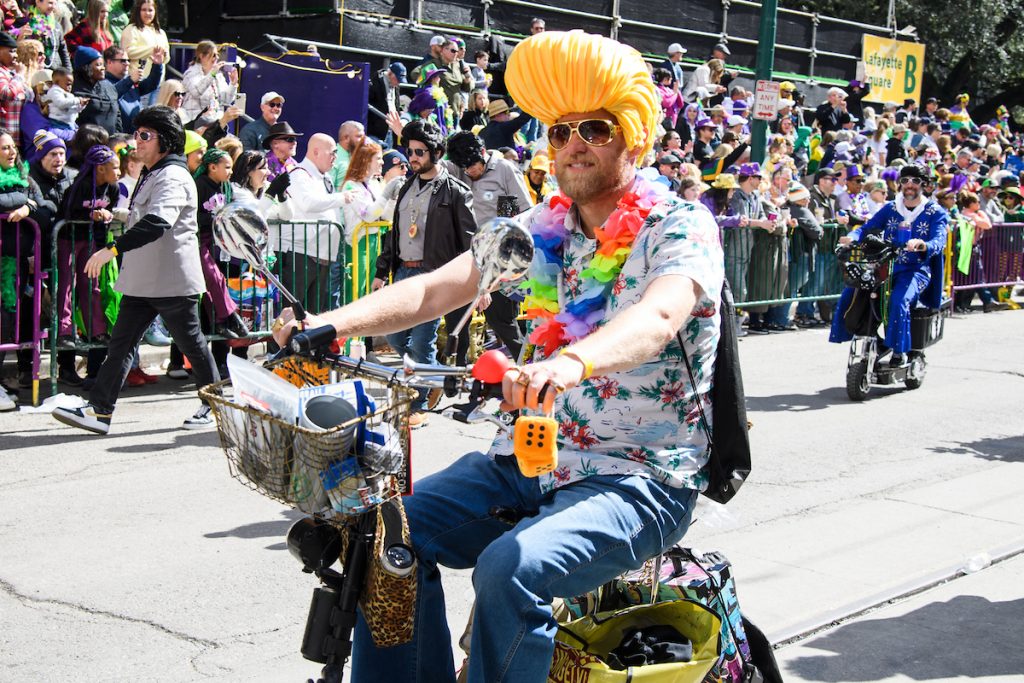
(491, 366)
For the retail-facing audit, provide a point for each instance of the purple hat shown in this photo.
(751, 169)
(703, 122)
(43, 142)
(856, 84)
(853, 171)
(428, 73)
(422, 100)
(739, 105)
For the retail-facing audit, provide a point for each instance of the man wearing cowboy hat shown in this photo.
(501, 128)
(281, 143)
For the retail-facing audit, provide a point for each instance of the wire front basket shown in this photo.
(342, 471)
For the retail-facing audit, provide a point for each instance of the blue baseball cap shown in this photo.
(399, 70)
(391, 159)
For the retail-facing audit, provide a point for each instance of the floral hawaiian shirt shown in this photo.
(645, 420)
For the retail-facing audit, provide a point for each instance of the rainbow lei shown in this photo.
(615, 241)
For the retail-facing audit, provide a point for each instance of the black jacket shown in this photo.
(450, 226)
(103, 109)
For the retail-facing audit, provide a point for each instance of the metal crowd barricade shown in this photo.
(21, 278)
(778, 269)
(365, 249)
(310, 261)
(996, 261)
(66, 253)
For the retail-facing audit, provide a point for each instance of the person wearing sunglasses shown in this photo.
(160, 274)
(132, 89)
(271, 108)
(629, 468)
(919, 225)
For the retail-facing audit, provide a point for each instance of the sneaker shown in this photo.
(85, 418)
(757, 328)
(7, 403)
(202, 419)
(177, 373)
(782, 327)
(65, 343)
(156, 335)
(898, 360)
(150, 379)
(101, 339)
(434, 398)
(68, 377)
(417, 420)
(134, 379)
(25, 379)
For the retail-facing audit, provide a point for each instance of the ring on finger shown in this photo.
(523, 379)
(278, 324)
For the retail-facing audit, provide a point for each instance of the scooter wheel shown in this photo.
(858, 383)
(915, 373)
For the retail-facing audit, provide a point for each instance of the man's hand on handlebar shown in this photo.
(845, 240)
(521, 386)
(285, 325)
(916, 244)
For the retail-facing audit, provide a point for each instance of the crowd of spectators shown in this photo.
(441, 154)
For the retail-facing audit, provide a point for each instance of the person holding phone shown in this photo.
(205, 85)
(141, 37)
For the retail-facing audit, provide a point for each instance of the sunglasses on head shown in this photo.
(594, 132)
(911, 181)
(419, 152)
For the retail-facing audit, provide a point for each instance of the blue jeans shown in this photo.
(572, 540)
(419, 342)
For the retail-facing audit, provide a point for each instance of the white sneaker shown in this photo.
(85, 418)
(203, 419)
(6, 402)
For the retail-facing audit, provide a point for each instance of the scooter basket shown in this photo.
(926, 327)
(307, 469)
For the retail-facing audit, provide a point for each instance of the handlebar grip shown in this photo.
(311, 340)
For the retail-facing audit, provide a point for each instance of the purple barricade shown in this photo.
(997, 261)
(21, 286)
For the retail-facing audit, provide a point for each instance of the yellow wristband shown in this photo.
(113, 249)
(588, 366)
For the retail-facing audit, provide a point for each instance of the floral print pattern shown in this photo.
(644, 420)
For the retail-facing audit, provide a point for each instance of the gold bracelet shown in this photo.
(588, 365)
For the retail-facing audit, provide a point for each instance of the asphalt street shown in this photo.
(137, 557)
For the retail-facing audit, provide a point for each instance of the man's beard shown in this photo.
(915, 193)
(599, 180)
(426, 166)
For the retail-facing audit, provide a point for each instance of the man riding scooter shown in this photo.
(919, 225)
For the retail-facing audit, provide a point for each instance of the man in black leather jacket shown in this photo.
(433, 223)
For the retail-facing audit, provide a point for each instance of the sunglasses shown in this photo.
(419, 152)
(144, 135)
(911, 181)
(594, 132)
(453, 50)
(275, 105)
(179, 94)
(123, 60)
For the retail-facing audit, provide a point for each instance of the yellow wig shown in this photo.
(554, 73)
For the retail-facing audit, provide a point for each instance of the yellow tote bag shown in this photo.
(582, 646)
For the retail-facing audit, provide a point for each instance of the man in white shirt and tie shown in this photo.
(307, 249)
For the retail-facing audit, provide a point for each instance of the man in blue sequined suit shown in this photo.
(916, 272)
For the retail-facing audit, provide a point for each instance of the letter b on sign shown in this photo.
(910, 75)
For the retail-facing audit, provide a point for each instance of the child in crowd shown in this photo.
(91, 199)
(63, 106)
